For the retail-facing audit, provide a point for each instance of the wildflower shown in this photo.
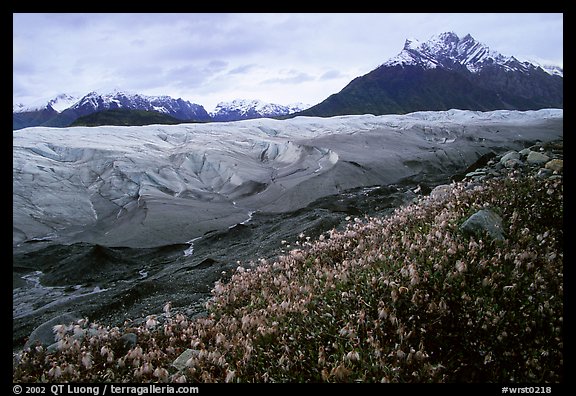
(382, 313)
(340, 372)
(59, 331)
(161, 373)
(78, 331)
(460, 266)
(220, 338)
(135, 353)
(151, 322)
(146, 368)
(353, 356)
(167, 308)
(55, 372)
(442, 305)
(230, 374)
(178, 378)
(321, 356)
(344, 331)
(87, 360)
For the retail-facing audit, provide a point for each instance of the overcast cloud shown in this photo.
(208, 58)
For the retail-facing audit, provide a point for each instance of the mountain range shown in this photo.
(445, 72)
(241, 109)
(65, 110)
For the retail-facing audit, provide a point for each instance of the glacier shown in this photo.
(164, 184)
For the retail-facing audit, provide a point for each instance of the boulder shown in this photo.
(525, 152)
(555, 165)
(180, 362)
(484, 221)
(129, 340)
(536, 158)
(440, 192)
(510, 155)
(513, 163)
(44, 334)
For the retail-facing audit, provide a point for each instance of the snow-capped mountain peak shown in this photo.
(239, 109)
(120, 99)
(449, 51)
(444, 50)
(112, 99)
(58, 103)
(411, 44)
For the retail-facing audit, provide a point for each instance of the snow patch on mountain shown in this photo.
(549, 68)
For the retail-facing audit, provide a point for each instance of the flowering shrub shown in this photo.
(406, 298)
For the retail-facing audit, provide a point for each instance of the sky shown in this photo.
(278, 58)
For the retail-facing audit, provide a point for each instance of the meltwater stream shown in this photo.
(28, 297)
(130, 283)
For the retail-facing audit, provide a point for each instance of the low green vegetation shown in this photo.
(406, 298)
(125, 117)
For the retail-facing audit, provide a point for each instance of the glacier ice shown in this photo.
(160, 184)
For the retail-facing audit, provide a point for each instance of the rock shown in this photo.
(544, 173)
(555, 165)
(536, 158)
(440, 192)
(493, 173)
(53, 348)
(180, 362)
(478, 172)
(484, 221)
(206, 263)
(129, 340)
(44, 334)
(525, 152)
(554, 146)
(510, 155)
(513, 163)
